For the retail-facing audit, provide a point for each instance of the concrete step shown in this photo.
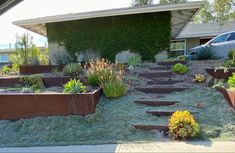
(170, 63)
(152, 75)
(161, 89)
(161, 128)
(160, 68)
(163, 82)
(160, 113)
(156, 103)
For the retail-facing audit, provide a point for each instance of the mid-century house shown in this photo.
(146, 30)
(5, 5)
(4, 56)
(197, 34)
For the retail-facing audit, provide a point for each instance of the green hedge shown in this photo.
(143, 33)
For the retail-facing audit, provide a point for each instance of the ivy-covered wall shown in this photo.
(146, 34)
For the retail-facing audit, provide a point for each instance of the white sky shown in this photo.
(39, 8)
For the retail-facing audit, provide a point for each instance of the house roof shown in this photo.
(5, 5)
(206, 29)
(182, 14)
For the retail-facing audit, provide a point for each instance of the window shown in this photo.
(220, 39)
(231, 37)
(4, 58)
(178, 45)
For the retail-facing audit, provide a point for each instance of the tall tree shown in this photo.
(217, 11)
(224, 10)
(206, 14)
(141, 2)
(172, 1)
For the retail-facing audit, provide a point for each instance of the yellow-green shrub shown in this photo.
(199, 78)
(182, 125)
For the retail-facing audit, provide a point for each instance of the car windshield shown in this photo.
(231, 37)
(220, 39)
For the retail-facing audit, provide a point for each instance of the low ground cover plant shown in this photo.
(72, 69)
(74, 86)
(199, 78)
(231, 62)
(182, 126)
(179, 68)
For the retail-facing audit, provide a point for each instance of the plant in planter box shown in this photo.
(179, 68)
(182, 125)
(73, 69)
(74, 86)
(33, 81)
(231, 81)
(5, 70)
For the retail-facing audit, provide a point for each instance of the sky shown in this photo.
(39, 8)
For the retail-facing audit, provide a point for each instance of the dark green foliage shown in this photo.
(146, 34)
(33, 81)
(229, 63)
(206, 53)
(74, 86)
(93, 79)
(231, 54)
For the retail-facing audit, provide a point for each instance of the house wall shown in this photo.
(192, 42)
(146, 34)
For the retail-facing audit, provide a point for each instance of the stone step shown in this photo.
(161, 89)
(170, 63)
(161, 128)
(160, 68)
(163, 82)
(160, 113)
(156, 103)
(152, 75)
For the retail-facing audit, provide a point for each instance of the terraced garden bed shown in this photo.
(16, 106)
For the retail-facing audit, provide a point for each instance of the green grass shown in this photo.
(111, 123)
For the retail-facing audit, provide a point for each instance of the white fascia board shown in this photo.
(112, 12)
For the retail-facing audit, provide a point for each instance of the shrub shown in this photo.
(114, 89)
(73, 69)
(134, 60)
(99, 68)
(179, 68)
(231, 81)
(33, 81)
(182, 58)
(199, 78)
(5, 70)
(206, 53)
(87, 55)
(231, 54)
(74, 86)
(182, 125)
(229, 63)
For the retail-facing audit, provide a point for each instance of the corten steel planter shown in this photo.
(48, 81)
(37, 69)
(20, 106)
(219, 73)
(229, 95)
(171, 63)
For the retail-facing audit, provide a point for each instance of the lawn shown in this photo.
(113, 119)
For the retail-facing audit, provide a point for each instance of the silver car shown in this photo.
(221, 44)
